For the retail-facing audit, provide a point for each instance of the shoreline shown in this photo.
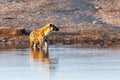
(92, 36)
(95, 38)
(26, 45)
(61, 40)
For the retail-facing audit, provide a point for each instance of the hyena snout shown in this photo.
(54, 28)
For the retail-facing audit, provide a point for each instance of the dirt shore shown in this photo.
(84, 22)
(92, 37)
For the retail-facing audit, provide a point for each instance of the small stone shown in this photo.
(94, 22)
(4, 40)
(97, 7)
(11, 39)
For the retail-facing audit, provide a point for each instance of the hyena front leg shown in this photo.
(46, 47)
(31, 44)
(46, 43)
(34, 45)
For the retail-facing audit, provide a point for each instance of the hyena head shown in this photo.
(54, 28)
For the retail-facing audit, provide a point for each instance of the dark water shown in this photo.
(62, 63)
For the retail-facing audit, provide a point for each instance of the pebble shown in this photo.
(4, 40)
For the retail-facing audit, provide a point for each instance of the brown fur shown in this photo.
(39, 36)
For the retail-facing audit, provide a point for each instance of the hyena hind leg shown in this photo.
(40, 45)
(31, 44)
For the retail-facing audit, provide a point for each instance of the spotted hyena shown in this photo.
(40, 36)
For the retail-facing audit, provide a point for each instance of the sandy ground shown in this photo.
(85, 22)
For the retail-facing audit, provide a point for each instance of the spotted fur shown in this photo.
(40, 36)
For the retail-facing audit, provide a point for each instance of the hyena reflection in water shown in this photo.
(41, 55)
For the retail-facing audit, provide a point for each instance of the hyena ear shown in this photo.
(51, 25)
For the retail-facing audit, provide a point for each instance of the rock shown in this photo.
(94, 22)
(4, 40)
(8, 31)
(97, 7)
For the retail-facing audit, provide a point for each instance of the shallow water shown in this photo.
(62, 64)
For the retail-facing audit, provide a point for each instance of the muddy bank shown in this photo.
(97, 36)
(92, 36)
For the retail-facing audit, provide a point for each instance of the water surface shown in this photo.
(62, 63)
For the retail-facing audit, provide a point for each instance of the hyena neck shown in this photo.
(46, 30)
(46, 33)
